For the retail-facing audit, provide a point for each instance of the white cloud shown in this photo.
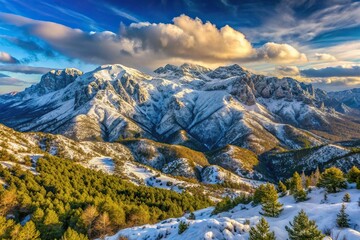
(324, 57)
(288, 71)
(140, 44)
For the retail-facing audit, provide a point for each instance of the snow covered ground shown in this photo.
(104, 164)
(231, 225)
(153, 178)
(8, 164)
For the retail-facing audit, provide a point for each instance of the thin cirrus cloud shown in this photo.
(6, 80)
(7, 58)
(141, 43)
(24, 69)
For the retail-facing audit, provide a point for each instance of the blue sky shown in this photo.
(313, 41)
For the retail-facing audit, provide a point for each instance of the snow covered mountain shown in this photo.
(350, 98)
(190, 105)
(236, 223)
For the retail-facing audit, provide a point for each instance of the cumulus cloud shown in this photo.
(282, 53)
(338, 71)
(7, 58)
(24, 69)
(324, 57)
(143, 43)
(288, 70)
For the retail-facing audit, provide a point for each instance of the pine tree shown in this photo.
(261, 231)
(302, 228)
(332, 179)
(282, 188)
(270, 205)
(346, 197)
(342, 219)
(353, 174)
(28, 232)
(71, 234)
(298, 190)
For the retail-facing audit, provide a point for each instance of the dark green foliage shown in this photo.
(353, 174)
(332, 179)
(261, 231)
(346, 197)
(302, 228)
(182, 227)
(297, 188)
(269, 201)
(282, 189)
(66, 195)
(228, 203)
(342, 219)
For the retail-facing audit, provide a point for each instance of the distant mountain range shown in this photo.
(188, 105)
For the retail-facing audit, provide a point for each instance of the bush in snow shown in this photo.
(303, 228)
(182, 227)
(261, 231)
(346, 197)
(332, 179)
(191, 216)
(342, 219)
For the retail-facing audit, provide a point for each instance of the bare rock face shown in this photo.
(54, 81)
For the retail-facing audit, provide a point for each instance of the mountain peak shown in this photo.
(54, 80)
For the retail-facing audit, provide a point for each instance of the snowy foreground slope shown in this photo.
(231, 225)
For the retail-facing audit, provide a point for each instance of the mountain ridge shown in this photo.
(177, 105)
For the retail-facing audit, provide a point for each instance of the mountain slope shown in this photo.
(233, 225)
(200, 108)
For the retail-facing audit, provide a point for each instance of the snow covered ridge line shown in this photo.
(236, 223)
(198, 107)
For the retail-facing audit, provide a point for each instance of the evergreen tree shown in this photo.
(71, 234)
(261, 231)
(302, 228)
(353, 174)
(28, 232)
(342, 219)
(298, 189)
(182, 227)
(282, 188)
(346, 197)
(270, 205)
(332, 179)
(51, 227)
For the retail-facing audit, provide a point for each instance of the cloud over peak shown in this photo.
(138, 44)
